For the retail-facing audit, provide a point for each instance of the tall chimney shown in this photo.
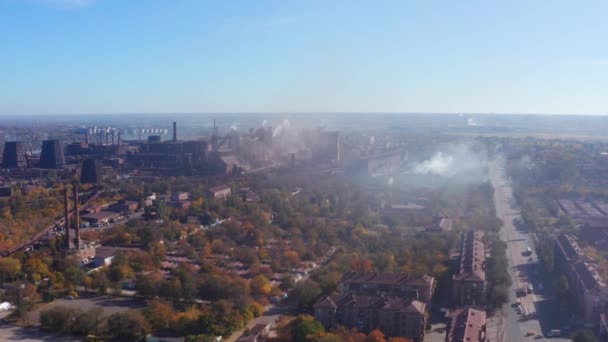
(118, 138)
(66, 205)
(86, 137)
(113, 137)
(174, 131)
(76, 216)
(107, 139)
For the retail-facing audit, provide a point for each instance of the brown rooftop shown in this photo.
(467, 325)
(219, 188)
(386, 278)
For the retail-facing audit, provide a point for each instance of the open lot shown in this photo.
(109, 304)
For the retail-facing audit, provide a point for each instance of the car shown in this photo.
(555, 333)
(530, 333)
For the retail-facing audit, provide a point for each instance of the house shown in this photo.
(248, 195)
(257, 333)
(440, 224)
(469, 280)
(180, 196)
(220, 191)
(124, 206)
(104, 256)
(466, 325)
(181, 204)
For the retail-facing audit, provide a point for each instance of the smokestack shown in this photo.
(113, 137)
(292, 160)
(107, 138)
(86, 137)
(174, 131)
(76, 216)
(118, 138)
(66, 205)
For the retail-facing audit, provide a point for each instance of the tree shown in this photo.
(584, 336)
(127, 326)
(58, 319)
(9, 268)
(306, 327)
(375, 336)
(88, 322)
(306, 292)
(399, 339)
(260, 285)
(159, 314)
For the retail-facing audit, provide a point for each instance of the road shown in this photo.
(539, 312)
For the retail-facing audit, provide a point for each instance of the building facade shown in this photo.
(393, 303)
(469, 280)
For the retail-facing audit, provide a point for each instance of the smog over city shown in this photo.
(319, 171)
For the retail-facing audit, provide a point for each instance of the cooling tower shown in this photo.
(52, 155)
(14, 155)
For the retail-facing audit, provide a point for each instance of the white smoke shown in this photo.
(281, 127)
(264, 123)
(439, 164)
(234, 128)
(459, 160)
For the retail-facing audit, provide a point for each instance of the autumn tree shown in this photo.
(127, 326)
(159, 314)
(9, 268)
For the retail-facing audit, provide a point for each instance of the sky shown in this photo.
(157, 56)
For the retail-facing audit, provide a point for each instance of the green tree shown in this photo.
(584, 336)
(306, 292)
(306, 327)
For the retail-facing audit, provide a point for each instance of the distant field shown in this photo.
(569, 136)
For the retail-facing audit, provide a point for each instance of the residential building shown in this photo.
(219, 192)
(394, 303)
(394, 316)
(584, 280)
(440, 224)
(389, 284)
(469, 280)
(104, 256)
(466, 325)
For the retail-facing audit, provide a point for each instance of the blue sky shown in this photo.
(117, 56)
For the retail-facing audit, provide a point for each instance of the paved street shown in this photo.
(539, 313)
